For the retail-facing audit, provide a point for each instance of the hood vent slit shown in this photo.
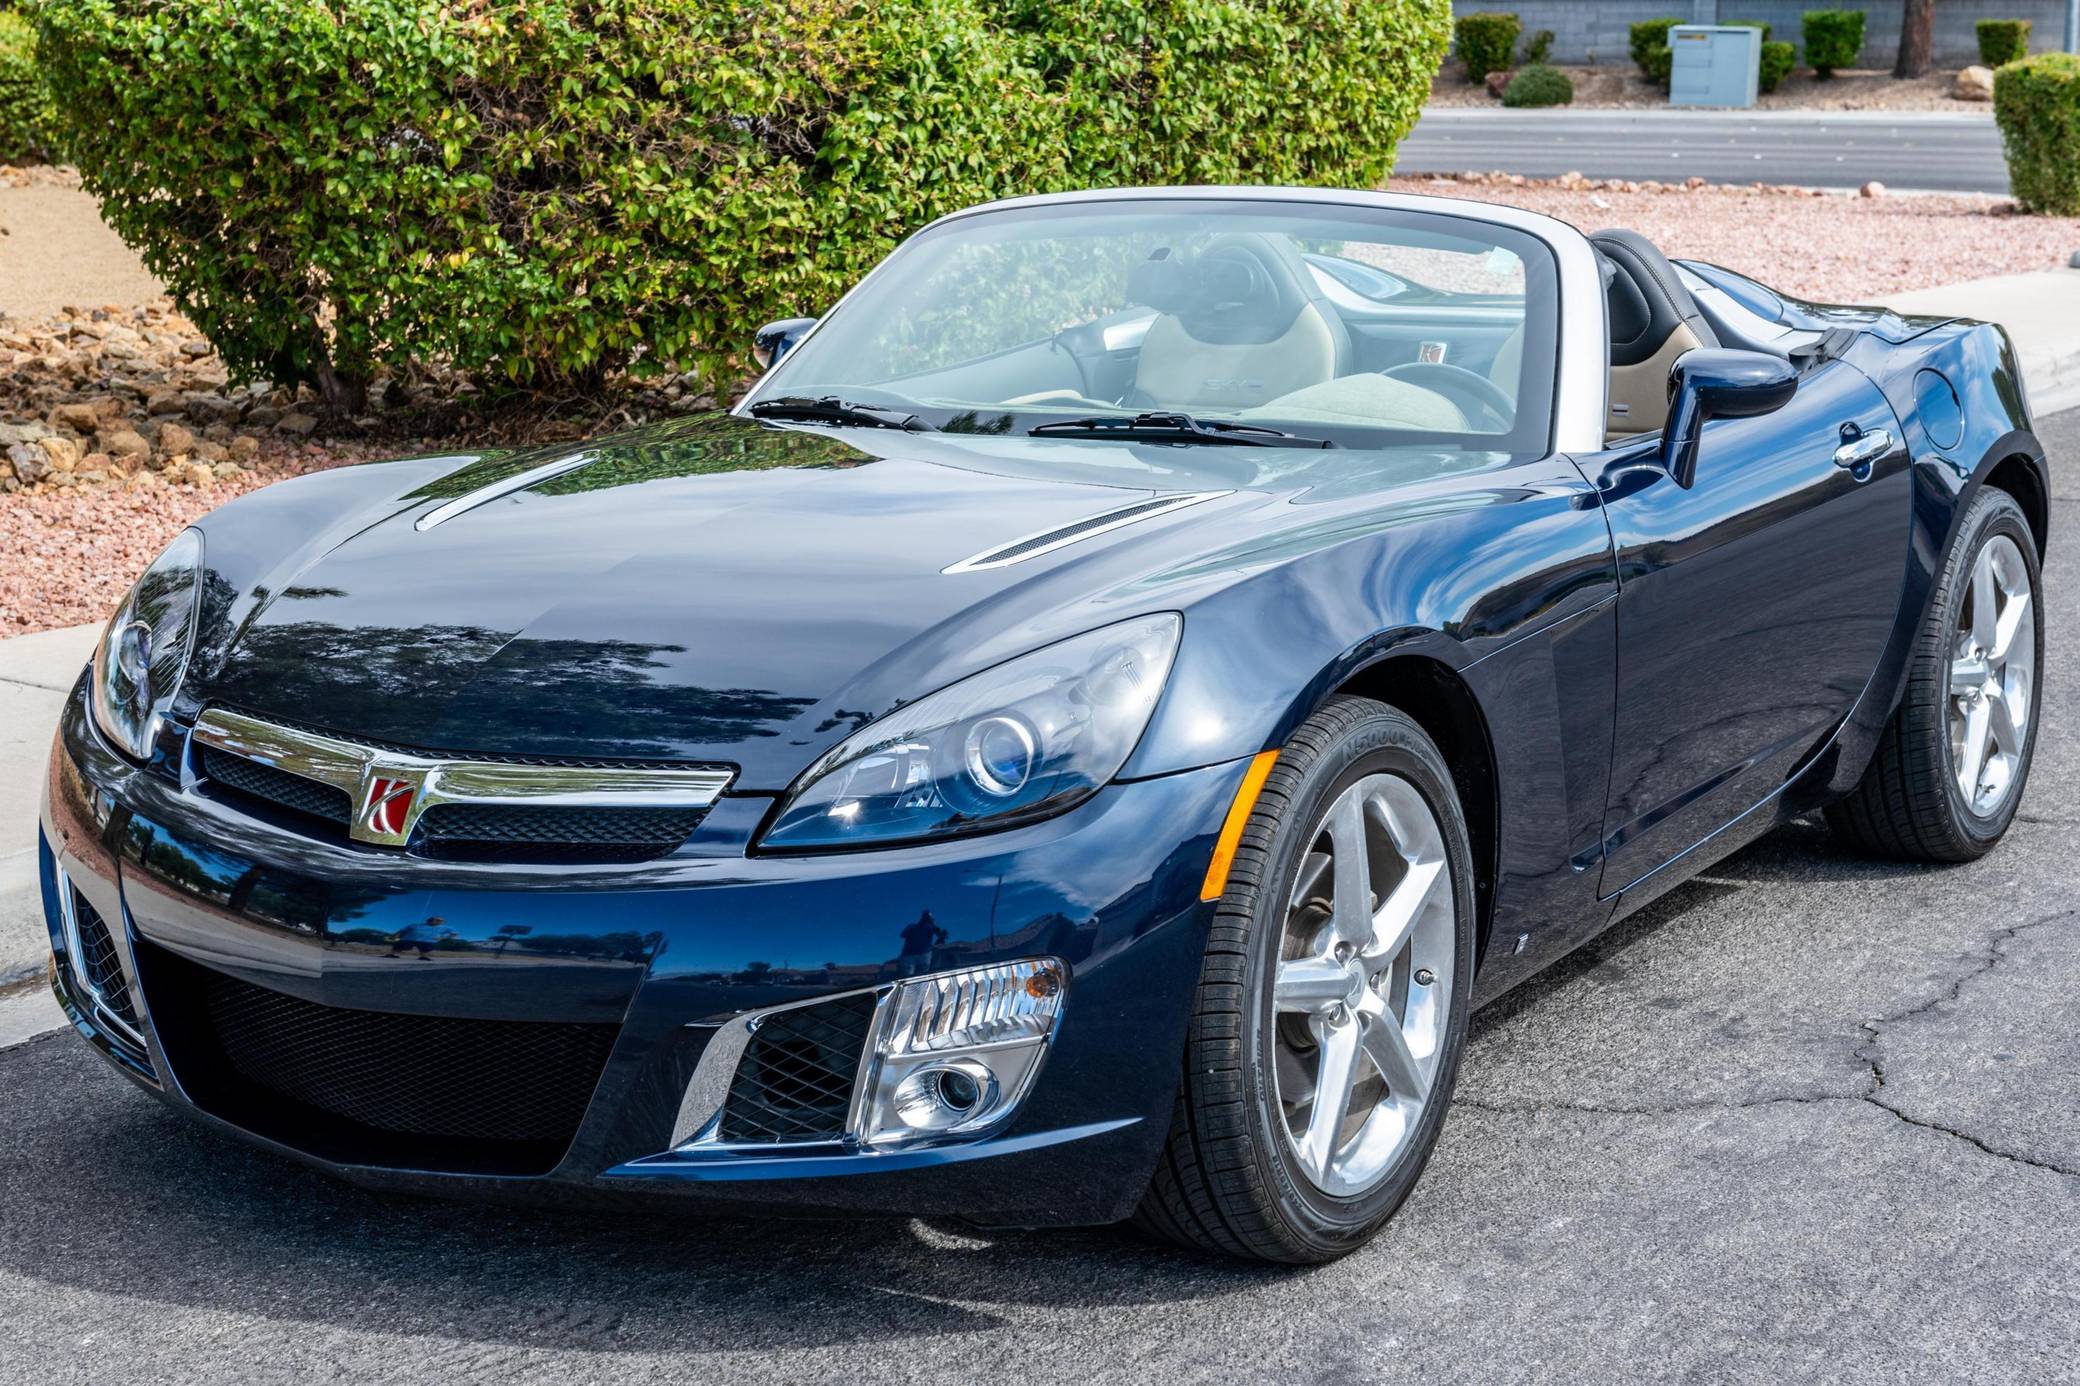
(1061, 536)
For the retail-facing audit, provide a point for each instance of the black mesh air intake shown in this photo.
(97, 963)
(795, 1080)
(376, 1087)
(527, 832)
(252, 780)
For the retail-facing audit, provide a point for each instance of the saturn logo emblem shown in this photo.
(387, 807)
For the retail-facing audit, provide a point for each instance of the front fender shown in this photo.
(1453, 578)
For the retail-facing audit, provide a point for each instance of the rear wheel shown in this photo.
(1332, 1002)
(1949, 770)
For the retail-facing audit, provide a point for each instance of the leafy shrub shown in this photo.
(1648, 35)
(1485, 41)
(551, 190)
(1777, 61)
(1228, 91)
(1660, 64)
(1834, 39)
(2037, 103)
(28, 124)
(1538, 49)
(1538, 85)
(2002, 41)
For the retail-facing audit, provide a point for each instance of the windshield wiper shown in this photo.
(832, 410)
(1177, 428)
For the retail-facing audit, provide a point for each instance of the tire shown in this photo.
(1230, 1178)
(1910, 803)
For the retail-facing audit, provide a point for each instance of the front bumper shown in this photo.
(656, 957)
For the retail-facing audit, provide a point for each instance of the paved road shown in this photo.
(1822, 149)
(1812, 1117)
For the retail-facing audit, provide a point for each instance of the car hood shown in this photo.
(714, 590)
(719, 590)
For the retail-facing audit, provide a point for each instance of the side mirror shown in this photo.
(1715, 383)
(776, 339)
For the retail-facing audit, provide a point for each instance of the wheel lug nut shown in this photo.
(1338, 1015)
(1424, 976)
(1343, 952)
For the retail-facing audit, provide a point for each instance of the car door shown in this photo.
(1753, 608)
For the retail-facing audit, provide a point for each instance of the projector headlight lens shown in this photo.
(143, 655)
(1029, 738)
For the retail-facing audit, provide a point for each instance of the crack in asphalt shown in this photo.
(1869, 1053)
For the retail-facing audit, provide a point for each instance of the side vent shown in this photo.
(1076, 531)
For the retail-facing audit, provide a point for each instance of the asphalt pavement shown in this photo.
(1811, 1117)
(1818, 149)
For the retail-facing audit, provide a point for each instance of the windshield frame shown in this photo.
(1580, 347)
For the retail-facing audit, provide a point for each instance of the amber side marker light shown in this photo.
(1238, 817)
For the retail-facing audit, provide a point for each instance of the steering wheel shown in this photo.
(1470, 390)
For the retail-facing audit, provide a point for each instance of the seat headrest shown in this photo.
(1647, 299)
(1241, 287)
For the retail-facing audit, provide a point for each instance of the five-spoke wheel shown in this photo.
(1364, 983)
(1948, 771)
(1331, 1005)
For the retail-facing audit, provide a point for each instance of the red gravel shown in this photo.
(1828, 247)
(67, 557)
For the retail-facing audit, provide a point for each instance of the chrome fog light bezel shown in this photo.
(994, 1022)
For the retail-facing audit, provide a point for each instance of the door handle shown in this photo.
(1863, 449)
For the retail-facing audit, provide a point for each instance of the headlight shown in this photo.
(1026, 739)
(144, 652)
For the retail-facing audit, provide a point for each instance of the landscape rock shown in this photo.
(1871, 189)
(1498, 82)
(62, 452)
(244, 448)
(164, 402)
(29, 463)
(263, 415)
(213, 409)
(121, 443)
(194, 473)
(10, 434)
(174, 439)
(79, 416)
(300, 424)
(1973, 83)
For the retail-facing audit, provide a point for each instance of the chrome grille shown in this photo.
(486, 808)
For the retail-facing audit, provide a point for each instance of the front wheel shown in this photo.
(1948, 773)
(1332, 1001)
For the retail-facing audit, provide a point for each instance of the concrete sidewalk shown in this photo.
(2041, 311)
(36, 672)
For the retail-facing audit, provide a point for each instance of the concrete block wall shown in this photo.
(1583, 29)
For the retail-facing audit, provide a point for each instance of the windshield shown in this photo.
(1195, 321)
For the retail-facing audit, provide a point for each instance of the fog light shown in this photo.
(956, 1052)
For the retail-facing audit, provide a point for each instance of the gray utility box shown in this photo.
(1713, 65)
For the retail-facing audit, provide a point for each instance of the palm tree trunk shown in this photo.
(1917, 38)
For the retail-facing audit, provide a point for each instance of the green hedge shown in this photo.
(1485, 41)
(1777, 61)
(2002, 41)
(550, 190)
(1834, 39)
(2037, 102)
(1538, 49)
(28, 124)
(1538, 85)
(1648, 35)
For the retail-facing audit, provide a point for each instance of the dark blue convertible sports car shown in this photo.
(1074, 742)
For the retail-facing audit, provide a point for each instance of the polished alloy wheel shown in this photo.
(1363, 990)
(1993, 665)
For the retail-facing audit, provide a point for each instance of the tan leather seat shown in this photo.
(1653, 320)
(1241, 323)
